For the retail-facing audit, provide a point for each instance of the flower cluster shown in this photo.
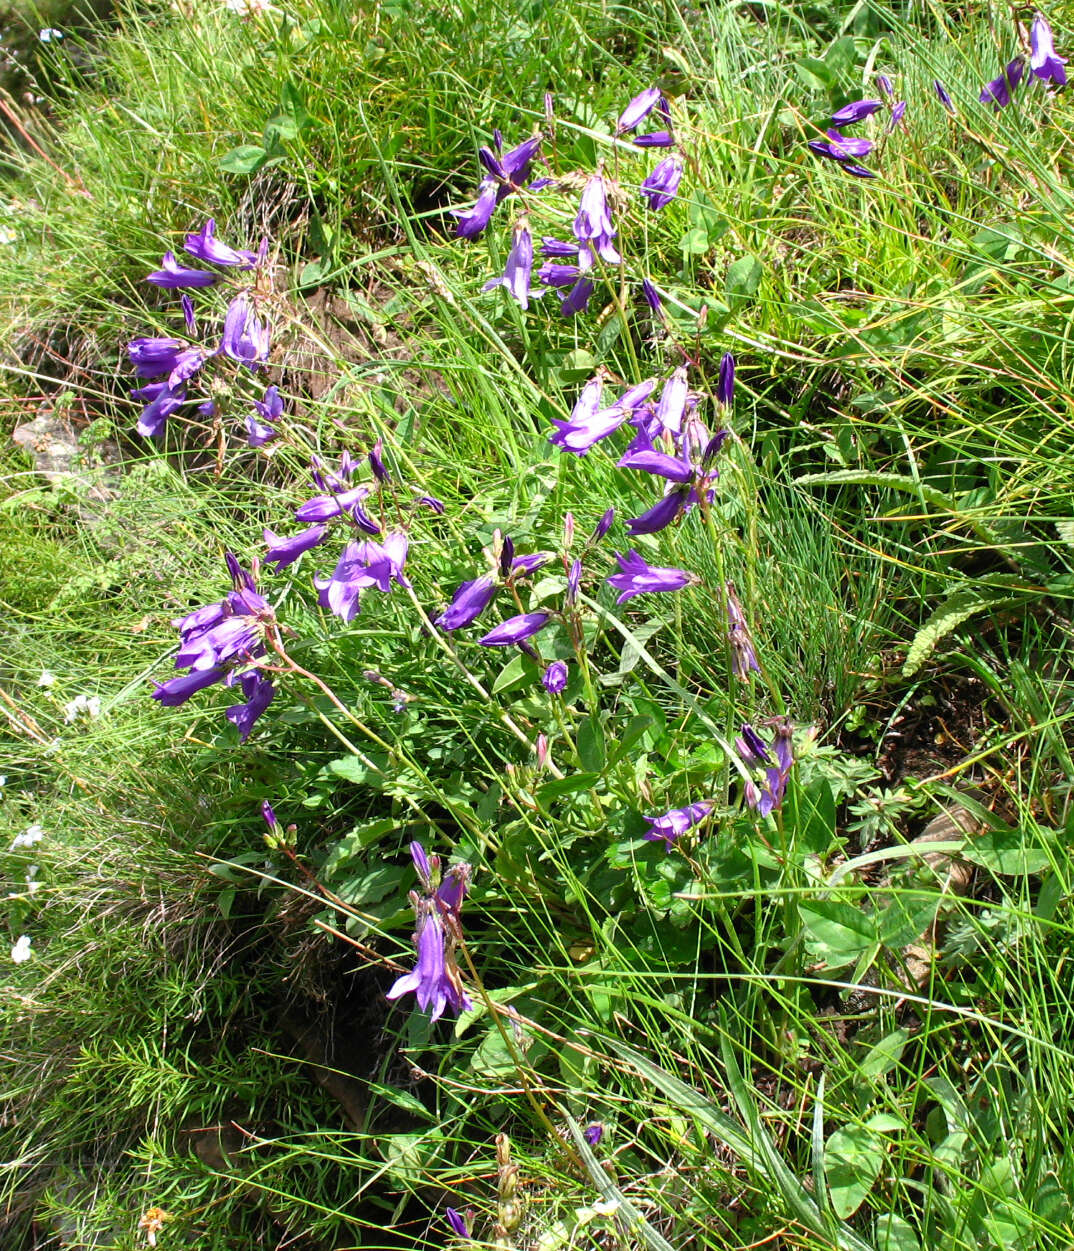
(435, 980)
(775, 761)
(224, 642)
(569, 266)
(169, 364)
(846, 149)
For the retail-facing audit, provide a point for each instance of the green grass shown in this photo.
(744, 1016)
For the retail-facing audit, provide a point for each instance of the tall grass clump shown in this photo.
(544, 720)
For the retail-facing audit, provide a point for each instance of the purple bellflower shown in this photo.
(269, 814)
(154, 356)
(1044, 61)
(269, 410)
(219, 643)
(662, 185)
(998, 91)
(516, 629)
(577, 299)
(638, 110)
(887, 87)
(754, 753)
(725, 387)
(246, 336)
(652, 297)
(655, 139)
(593, 1133)
(163, 401)
(554, 678)
(676, 822)
(636, 577)
(435, 981)
(468, 603)
(516, 275)
(839, 147)
(457, 1221)
(593, 225)
(558, 274)
(672, 405)
(171, 274)
(363, 564)
(473, 221)
(942, 96)
(284, 552)
(557, 249)
(898, 112)
(856, 111)
(207, 247)
(743, 656)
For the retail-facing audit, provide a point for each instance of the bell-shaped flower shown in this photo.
(163, 401)
(662, 185)
(258, 693)
(171, 275)
(856, 111)
(554, 678)
(515, 629)
(1044, 61)
(516, 275)
(468, 603)
(473, 221)
(577, 299)
(677, 822)
(270, 409)
(638, 109)
(593, 226)
(207, 247)
(637, 577)
(246, 336)
(284, 552)
(998, 91)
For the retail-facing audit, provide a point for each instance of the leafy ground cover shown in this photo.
(650, 828)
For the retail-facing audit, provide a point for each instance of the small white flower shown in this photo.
(46, 679)
(49, 34)
(32, 885)
(21, 952)
(31, 835)
(7, 236)
(90, 705)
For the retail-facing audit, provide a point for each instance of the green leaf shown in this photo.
(369, 769)
(566, 786)
(1007, 852)
(577, 365)
(893, 1233)
(852, 1161)
(695, 242)
(956, 609)
(246, 159)
(836, 933)
(885, 1055)
(518, 672)
(743, 280)
(591, 744)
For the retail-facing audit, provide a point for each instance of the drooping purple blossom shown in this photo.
(886, 86)
(942, 95)
(363, 564)
(285, 551)
(173, 275)
(638, 109)
(672, 405)
(655, 139)
(163, 401)
(593, 225)
(221, 642)
(839, 147)
(662, 185)
(258, 693)
(593, 1133)
(557, 249)
(856, 111)
(671, 505)
(677, 822)
(725, 387)
(554, 678)
(468, 603)
(516, 629)
(577, 299)
(898, 112)
(473, 221)
(1044, 61)
(637, 577)
(516, 274)
(603, 525)
(269, 409)
(743, 656)
(435, 980)
(246, 336)
(207, 247)
(751, 748)
(998, 91)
